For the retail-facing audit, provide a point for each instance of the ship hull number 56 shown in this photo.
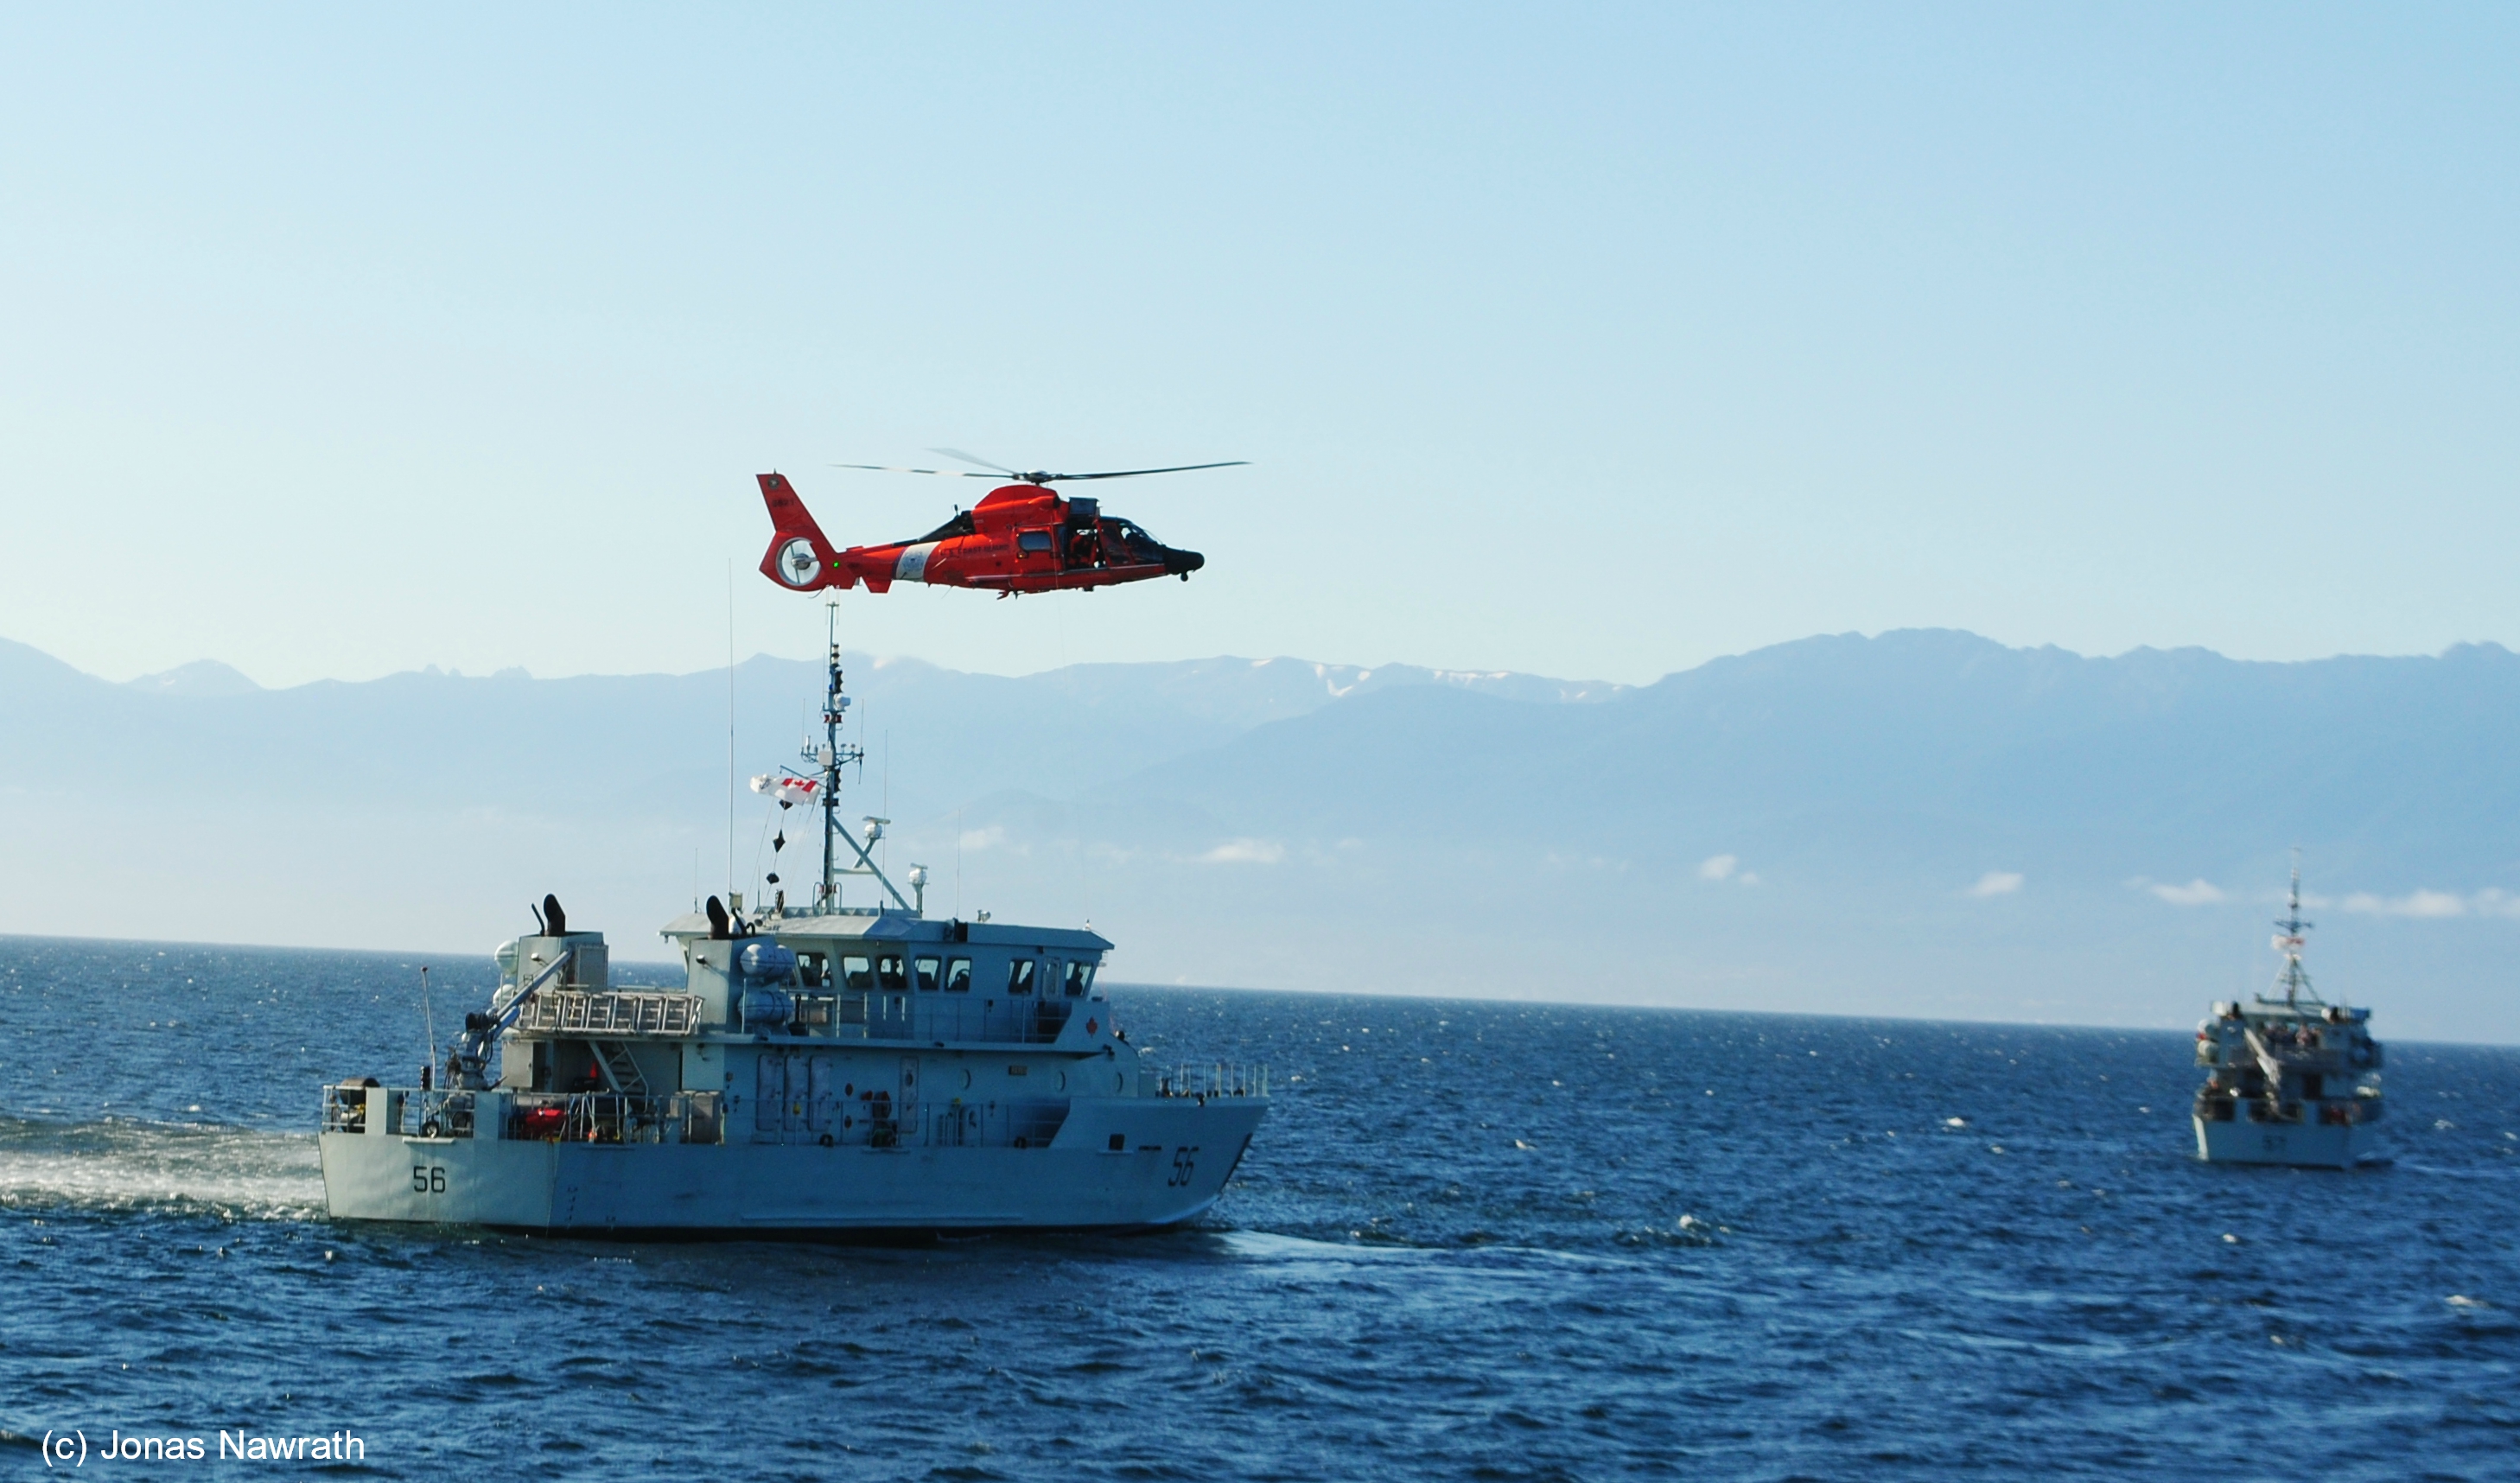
(428, 1179)
(1184, 1165)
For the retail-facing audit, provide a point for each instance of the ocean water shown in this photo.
(1473, 1240)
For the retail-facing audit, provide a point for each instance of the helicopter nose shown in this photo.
(1181, 563)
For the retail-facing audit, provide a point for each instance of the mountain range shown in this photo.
(1919, 823)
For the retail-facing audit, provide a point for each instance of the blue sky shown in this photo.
(1592, 341)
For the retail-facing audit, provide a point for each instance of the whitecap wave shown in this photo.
(2447, 1170)
(118, 1163)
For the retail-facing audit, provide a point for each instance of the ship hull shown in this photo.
(2307, 1146)
(1178, 1154)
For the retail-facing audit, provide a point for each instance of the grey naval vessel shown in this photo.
(2289, 1078)
(830, 1071)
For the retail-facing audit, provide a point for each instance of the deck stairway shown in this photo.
(620, 1068)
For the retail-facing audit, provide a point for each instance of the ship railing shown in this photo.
(616, 1117)
(1214, 1079)
(345, 1108)
(613, 1012)
(601, 1117)
(437, 1114)
(410, 1111)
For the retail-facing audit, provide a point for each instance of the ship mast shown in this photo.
(832, 756)
(2294, 980)
(828, 758)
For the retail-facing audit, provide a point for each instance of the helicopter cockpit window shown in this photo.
(959, 525)
(1032, 540)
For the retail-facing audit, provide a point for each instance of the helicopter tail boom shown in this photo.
(799, 558)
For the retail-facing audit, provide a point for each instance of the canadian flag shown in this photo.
(788, 791)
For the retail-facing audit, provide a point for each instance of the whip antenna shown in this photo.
(428, 1020)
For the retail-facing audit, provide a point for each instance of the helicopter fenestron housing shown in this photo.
(1020, 537)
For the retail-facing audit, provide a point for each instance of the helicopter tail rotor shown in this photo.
(799, 557)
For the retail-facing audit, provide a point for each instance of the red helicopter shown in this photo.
(1021, 537)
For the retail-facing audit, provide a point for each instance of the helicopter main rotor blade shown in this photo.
(1037, 476)
(1130, 473)
(950, 474)
(960, 457)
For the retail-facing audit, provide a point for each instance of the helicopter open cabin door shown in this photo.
(1081, 537)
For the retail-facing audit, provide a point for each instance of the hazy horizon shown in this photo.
(1924, 822)
(904, 658)
(636, 972)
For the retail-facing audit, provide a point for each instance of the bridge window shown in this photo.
(924, 970)
(892, 974)
(1080, 979)
(810, 968)
(1020, 976)
(958, 975)
(856, 974)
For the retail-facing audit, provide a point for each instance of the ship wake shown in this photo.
(118, 1164)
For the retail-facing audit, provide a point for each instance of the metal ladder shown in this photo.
(620, 1068)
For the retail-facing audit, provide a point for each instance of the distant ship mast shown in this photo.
(2294, 980)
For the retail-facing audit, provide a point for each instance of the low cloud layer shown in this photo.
(2490, 902)
(1997, 884)
(2423, 904)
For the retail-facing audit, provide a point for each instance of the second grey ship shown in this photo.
(2289, 1078)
